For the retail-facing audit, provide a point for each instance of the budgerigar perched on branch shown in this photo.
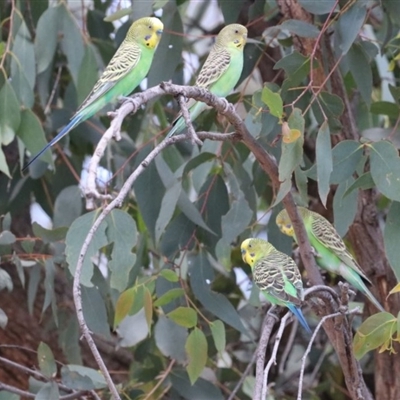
(276, 274)
(128, 67)
(220, 72)
(331, 252)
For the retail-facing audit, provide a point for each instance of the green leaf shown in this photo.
(148, 306)
(202, 389)
(292, 152)
(323, 161)
(170, 47)
(300, 28)
(332, 104)
(123, 12)
(75, 238)
(49, 235)
(349, 25)
(345, 157)
(124, 305)
(82, 378)
(344, 207)
(10, 116)
(235, 221)
(5, 280)
(46, 37)
(214, 302)
(169, 275)
(196, 348)
(71, 41)
(24, 55)
(94, 310)
(31, 133)
(7, 238)
(230, 13)
(218, 333)
(3, 164)
(391, 237)
(130, 302)
(148, 197)
(284, 189)
(373, 333)
(364, 182)
(22, 89)
(167, 297)
(184, 316)
(167, 209)
(48, 391)
(273, 101)
(392, 110)
(170, 338)
(3, 321)
(68, 206)
(46, 361)
(88, 73)
(122, 232)
(297, 68)
(385, 169)
(318, 7)
(361, 70)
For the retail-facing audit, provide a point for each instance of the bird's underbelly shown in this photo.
(225, 84)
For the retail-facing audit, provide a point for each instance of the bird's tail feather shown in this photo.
(372, 299)
(74, 121)
(357, 281)
(297, 312)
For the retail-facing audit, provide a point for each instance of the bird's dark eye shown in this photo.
(249, 245)
(236, 31)
(150, 26)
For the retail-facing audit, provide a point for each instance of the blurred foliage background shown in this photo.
(165, 292)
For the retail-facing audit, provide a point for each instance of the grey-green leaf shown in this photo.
(324, 161)
(392, 237)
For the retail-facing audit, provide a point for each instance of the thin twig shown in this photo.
(163, 376)
(268, 324)
(243, 377)
(308, 349)
(272, 360)
(288, 346)
(186, 116)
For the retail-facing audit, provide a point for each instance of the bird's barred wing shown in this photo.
(124, 60)
(327, 235)
(215, 66)
(278, 275)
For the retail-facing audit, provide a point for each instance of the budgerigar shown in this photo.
(127, 68)
(220, 72)
(276, 274)
(331, 252)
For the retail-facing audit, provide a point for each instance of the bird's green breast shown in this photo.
(228, 80)
(325, 258)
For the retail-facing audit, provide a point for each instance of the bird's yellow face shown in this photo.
(233, 35)
(284, 223)
(247, 252)
(147, 31)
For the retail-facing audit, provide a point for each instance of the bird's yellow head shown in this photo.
(252, 249)
(284, 223)
(146, 31)
(233, 35)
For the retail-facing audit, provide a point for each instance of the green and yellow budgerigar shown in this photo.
(220, 72)
(127, 68)
(331, 252)
(276, 274)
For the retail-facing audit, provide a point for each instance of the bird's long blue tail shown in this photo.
(297, 312)
(74, 121)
